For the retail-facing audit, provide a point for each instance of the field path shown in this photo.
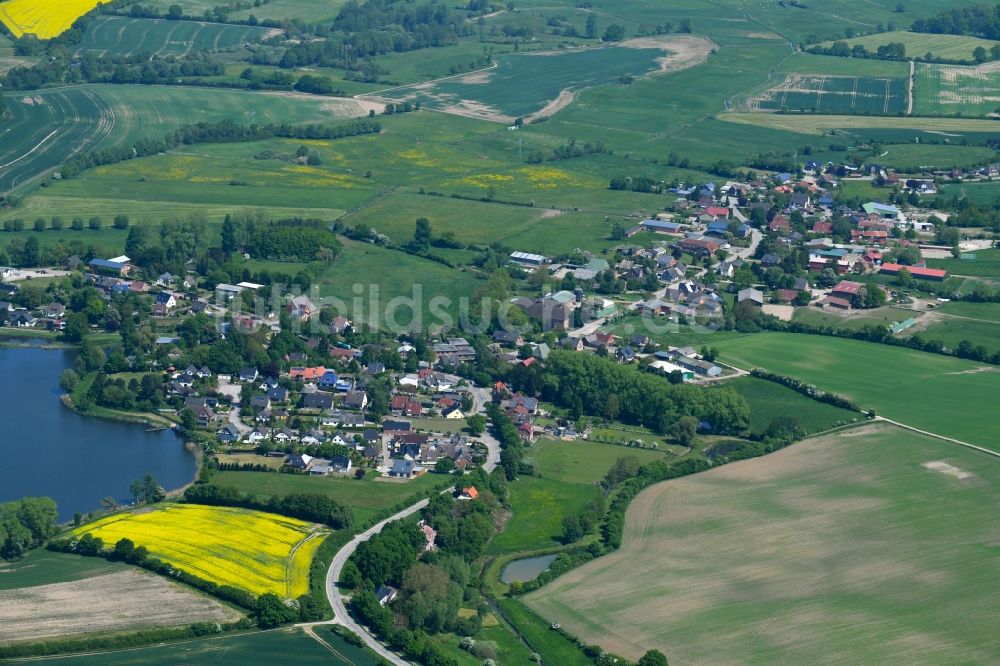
(909, 88)
(937, 436)
(290, 561)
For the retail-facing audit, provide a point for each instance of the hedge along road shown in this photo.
(46, 129)
(340, 614)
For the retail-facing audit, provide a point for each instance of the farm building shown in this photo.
(662, 227)
(884, 211)
(847, 289)
(936, 274)
(528, 259)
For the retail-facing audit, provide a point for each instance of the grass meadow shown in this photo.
(769, 400)
(845, 548)
(367, 498)
(986, 264)
(44, 567)
(918, 44)
(940, 394)
(567, 479)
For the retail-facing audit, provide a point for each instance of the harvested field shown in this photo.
(834, 94)
(808, 123)
(119, 601)
(859, 547)
(951, 89)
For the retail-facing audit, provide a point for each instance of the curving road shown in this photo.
(336, 599)
(340, 614)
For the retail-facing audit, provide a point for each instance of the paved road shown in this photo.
(340, 614)
(480, 397)
(233, 391)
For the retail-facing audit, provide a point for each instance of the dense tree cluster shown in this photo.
(375, 27)
(978, 20)
(585, 384)
(304, 506)
(26, 523)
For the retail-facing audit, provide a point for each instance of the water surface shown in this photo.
(47, 449)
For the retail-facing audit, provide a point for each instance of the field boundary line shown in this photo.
(375, 93)
(945, 438)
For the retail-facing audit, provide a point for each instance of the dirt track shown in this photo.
(114, 602)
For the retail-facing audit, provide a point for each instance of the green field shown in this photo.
(835, 94)
(769, 400)
(48, 127)
(983, 311)
(565, 482)
(43, 567)
(306, 10)
(581, 461)
(918, 44)
(986, 264)
(522, 84)
(119, 36)
(951, 89)
(855, 320)
(255, 649)
(538, 507)
(932, 392)
(367, 498)
(952, 331)
(846, 548)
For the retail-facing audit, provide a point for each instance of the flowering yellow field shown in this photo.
(43, 18)
(255, 551)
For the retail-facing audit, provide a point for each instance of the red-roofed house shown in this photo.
(470, 493)
(780, 223)
(822, 227)
(834, 302)
(847, 289)
(307, 374)
(916, 271)
(717, 211)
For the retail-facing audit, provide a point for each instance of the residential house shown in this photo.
(230, 434)
(301, 307)
(356, 400)
(755, 296)
(317, 400)
(404, 469)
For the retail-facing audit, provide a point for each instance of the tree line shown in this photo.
(977, 20)
(304, 506)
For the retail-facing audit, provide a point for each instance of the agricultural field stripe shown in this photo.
(37, 146)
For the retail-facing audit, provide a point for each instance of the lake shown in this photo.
(527, 569)
(48, 449)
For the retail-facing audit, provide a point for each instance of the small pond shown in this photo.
(527, 569)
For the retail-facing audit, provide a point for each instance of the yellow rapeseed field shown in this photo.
(43, 18)
(255, 551)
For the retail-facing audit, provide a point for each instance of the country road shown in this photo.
(340, 614)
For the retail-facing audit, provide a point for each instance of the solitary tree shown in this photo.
(653, 658)
(685, 429)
